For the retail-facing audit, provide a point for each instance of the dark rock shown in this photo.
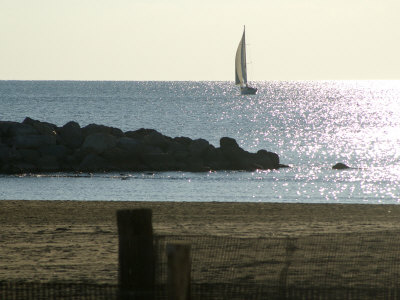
(3, 128)
(4, 153)
(59, 151)
(181, 155)
(228, 144)
(216, 160)
(39, 146)
(150, 150)
(121, 159)
(33, 141)
(70, 163)
(196, 164)
(199, 147)
(19, 168)
(174, 146)
(95, 128)
(130, 144)
(48, 163)
(183, 140)
(29, 155)
(266, 159)
(273, 156)
(18, 129)
(160, 161)
(140, 133)
(94, 163)
(148, 153)
(156, 139)
(99, 142)
(43, 128)
(14, 154)
(71, 135)
(244, 162)
(81, 153)
(236, 156)
(340, 166)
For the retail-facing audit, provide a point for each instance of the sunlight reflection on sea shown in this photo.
(312, 125)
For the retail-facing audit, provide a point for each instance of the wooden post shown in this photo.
(136, 273)
(179, 266)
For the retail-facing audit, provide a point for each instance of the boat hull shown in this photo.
(248, 90)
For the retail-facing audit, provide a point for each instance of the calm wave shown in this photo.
(311, 125)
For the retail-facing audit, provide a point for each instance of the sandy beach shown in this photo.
(78, 241)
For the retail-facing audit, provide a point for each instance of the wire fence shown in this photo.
(329, 266)
(364, 260)
(86, 291)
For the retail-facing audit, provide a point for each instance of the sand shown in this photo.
(78, 241)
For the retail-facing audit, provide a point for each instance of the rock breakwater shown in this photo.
(35, 146)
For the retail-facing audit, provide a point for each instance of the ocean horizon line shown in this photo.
(179, 80)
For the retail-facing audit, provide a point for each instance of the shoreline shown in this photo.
(264, 219)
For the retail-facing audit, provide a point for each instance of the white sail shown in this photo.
(240, 62)
(240, 68)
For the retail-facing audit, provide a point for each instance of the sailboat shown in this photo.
(241, 68)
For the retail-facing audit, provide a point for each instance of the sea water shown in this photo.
(312, 125)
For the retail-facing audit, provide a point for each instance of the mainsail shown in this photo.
(240, 62)
(240, 68)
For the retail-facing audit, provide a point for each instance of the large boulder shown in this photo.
(3, 128)
(33, 141)
(148, 152)
(140, 133)
(238, 158)
(130, 144)
(48, 163)
(199, 147)
(99, 142)
(183, 140)
(180, 151)
(196, 164)
(29, 155)
(12, 129)
(95, 128)
(266, 160)
(4, 153)
(159, 161)
(215, 160)
(156, 139)
(175, 146)
(93, 162)
(121, 159)
(71, 135)
(59, 151)
(70, 163)
(228, 144)
(19, 167)
(43, 128)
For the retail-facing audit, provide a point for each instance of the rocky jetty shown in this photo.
(36, 146)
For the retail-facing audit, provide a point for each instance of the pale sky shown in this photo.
(197, 39)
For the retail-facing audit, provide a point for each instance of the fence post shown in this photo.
(179, 266)
(136, 257)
